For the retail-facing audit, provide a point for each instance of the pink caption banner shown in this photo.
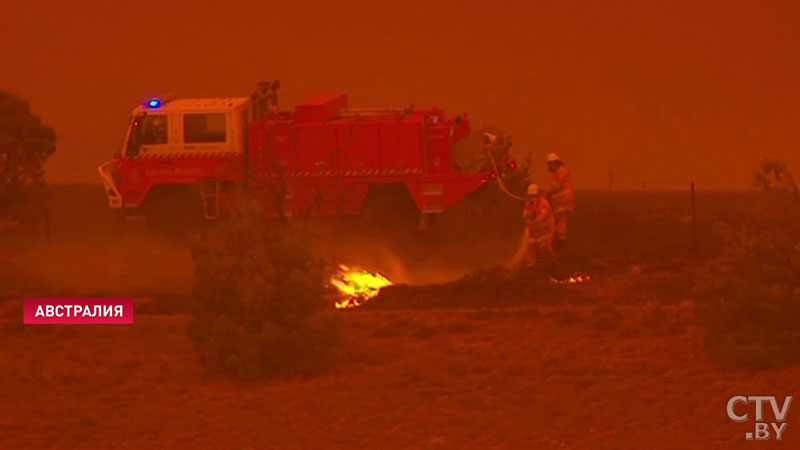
(77, 310)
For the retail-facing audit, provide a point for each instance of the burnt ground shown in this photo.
(460, 354)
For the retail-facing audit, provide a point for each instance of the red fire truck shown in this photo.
(319, 159)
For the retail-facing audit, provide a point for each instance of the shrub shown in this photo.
(748, 300)
(260, 301)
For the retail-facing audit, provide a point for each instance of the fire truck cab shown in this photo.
(183, 141)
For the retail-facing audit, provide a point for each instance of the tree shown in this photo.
(775, 176)
(25, 145)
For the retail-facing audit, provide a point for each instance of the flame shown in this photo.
(575, 278)
(356, 285)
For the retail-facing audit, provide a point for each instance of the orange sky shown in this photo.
(663, 91)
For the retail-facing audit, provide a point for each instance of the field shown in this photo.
(459, 355)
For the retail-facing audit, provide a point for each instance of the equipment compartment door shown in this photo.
(401, 146)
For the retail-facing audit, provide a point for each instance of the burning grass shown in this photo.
(575, 278)
(489, 289)
(356, 285)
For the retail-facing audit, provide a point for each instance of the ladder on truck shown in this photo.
(209, 192)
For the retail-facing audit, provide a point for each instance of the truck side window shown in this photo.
(204, 128)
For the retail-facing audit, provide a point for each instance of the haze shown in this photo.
(663, 93)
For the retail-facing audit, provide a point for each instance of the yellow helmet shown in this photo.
(552, 157)
(533, 189)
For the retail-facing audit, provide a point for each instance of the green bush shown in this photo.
(260, 301)
(748, 300)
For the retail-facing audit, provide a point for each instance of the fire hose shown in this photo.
(490, 139)
(489, 143)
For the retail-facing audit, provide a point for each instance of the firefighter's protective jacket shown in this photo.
(539, 217)
(560, 191)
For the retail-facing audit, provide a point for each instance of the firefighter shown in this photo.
(272, 96)
(541, 225)
(562, 198)
(265, 98)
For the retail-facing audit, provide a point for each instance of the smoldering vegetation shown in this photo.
(82, 248)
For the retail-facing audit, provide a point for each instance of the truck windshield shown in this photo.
(150, 129)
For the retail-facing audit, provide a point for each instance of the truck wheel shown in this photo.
(173, 209)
